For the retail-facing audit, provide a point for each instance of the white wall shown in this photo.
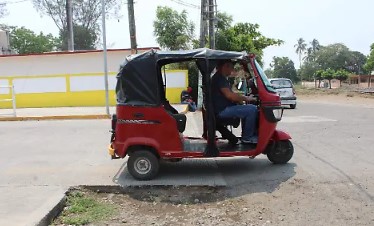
(60, 63)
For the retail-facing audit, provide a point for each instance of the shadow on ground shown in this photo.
(207, 180)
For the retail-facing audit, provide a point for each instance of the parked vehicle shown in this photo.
(148, 129)
(286, 91)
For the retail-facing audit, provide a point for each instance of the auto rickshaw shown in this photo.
(148, 129)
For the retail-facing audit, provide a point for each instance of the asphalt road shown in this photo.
(329, 181)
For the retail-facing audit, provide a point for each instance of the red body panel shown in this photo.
(155, 128)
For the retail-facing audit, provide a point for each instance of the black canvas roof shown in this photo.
(139, 76)
(203, 53)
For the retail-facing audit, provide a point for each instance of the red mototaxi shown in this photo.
(148, 129)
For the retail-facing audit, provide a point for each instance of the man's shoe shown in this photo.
(251, 140)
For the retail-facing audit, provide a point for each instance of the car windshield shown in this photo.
(264, 78)
(281, 83)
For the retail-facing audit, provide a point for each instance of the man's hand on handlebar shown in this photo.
(250, 99)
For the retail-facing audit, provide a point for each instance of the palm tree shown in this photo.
(300, 48)
(308, 55)
(315, 47)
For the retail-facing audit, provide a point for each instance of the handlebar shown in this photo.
(255, 102)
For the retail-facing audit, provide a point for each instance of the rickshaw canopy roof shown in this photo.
(138, 81)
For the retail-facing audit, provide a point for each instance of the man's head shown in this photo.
(189, 89)
(225, 67)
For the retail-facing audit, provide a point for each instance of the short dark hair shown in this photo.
(220, 63)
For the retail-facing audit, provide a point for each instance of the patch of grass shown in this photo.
(82, 209)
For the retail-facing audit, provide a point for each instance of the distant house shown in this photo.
(362, 81)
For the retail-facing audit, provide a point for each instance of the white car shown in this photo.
(286, 91)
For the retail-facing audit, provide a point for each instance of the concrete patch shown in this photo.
(188, 172)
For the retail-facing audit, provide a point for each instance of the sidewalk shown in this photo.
(60, 113)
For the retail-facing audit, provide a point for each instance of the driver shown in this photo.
(225, 102)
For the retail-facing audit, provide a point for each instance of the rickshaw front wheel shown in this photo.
(281, 152)
(143, 165)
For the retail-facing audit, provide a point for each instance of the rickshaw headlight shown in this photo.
(278, 113)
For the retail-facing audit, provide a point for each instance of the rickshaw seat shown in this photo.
(181, 121)
(179, 118)
(223, 123)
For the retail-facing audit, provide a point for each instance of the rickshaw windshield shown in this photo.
(264, 78)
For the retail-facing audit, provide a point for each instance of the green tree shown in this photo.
(328, 75)
(173, 31)
(369, 65)
(84, 38)
(224, 21)
(315, 46)
(334, 56)
(308, 70)
(300, 48)
(244, 36)
(341, 75)
(25, 41)
(283, 67)
(318, 76)
(356, 62)
(310, 53)
(86, 15)
(269, 73)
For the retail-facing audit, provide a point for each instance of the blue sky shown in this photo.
(329, 21)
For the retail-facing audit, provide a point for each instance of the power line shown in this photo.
(180, 2)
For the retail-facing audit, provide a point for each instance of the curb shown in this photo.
(59, 207)
(53, 117)
(53, 213)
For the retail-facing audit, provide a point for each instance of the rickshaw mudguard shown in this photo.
(280, 135)
(123, 148)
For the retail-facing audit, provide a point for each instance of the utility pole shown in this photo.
(69, 20)
(211, 25)
(203, 34)
(105, 55)
(130, 7)
(202, 23)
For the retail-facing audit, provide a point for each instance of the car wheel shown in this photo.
(143, 165)
(292, 106)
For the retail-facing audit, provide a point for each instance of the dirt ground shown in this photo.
(354, 99)
(345, 95)
(223, 206)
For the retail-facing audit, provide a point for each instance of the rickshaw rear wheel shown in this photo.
(281, 152)
(143, 165)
